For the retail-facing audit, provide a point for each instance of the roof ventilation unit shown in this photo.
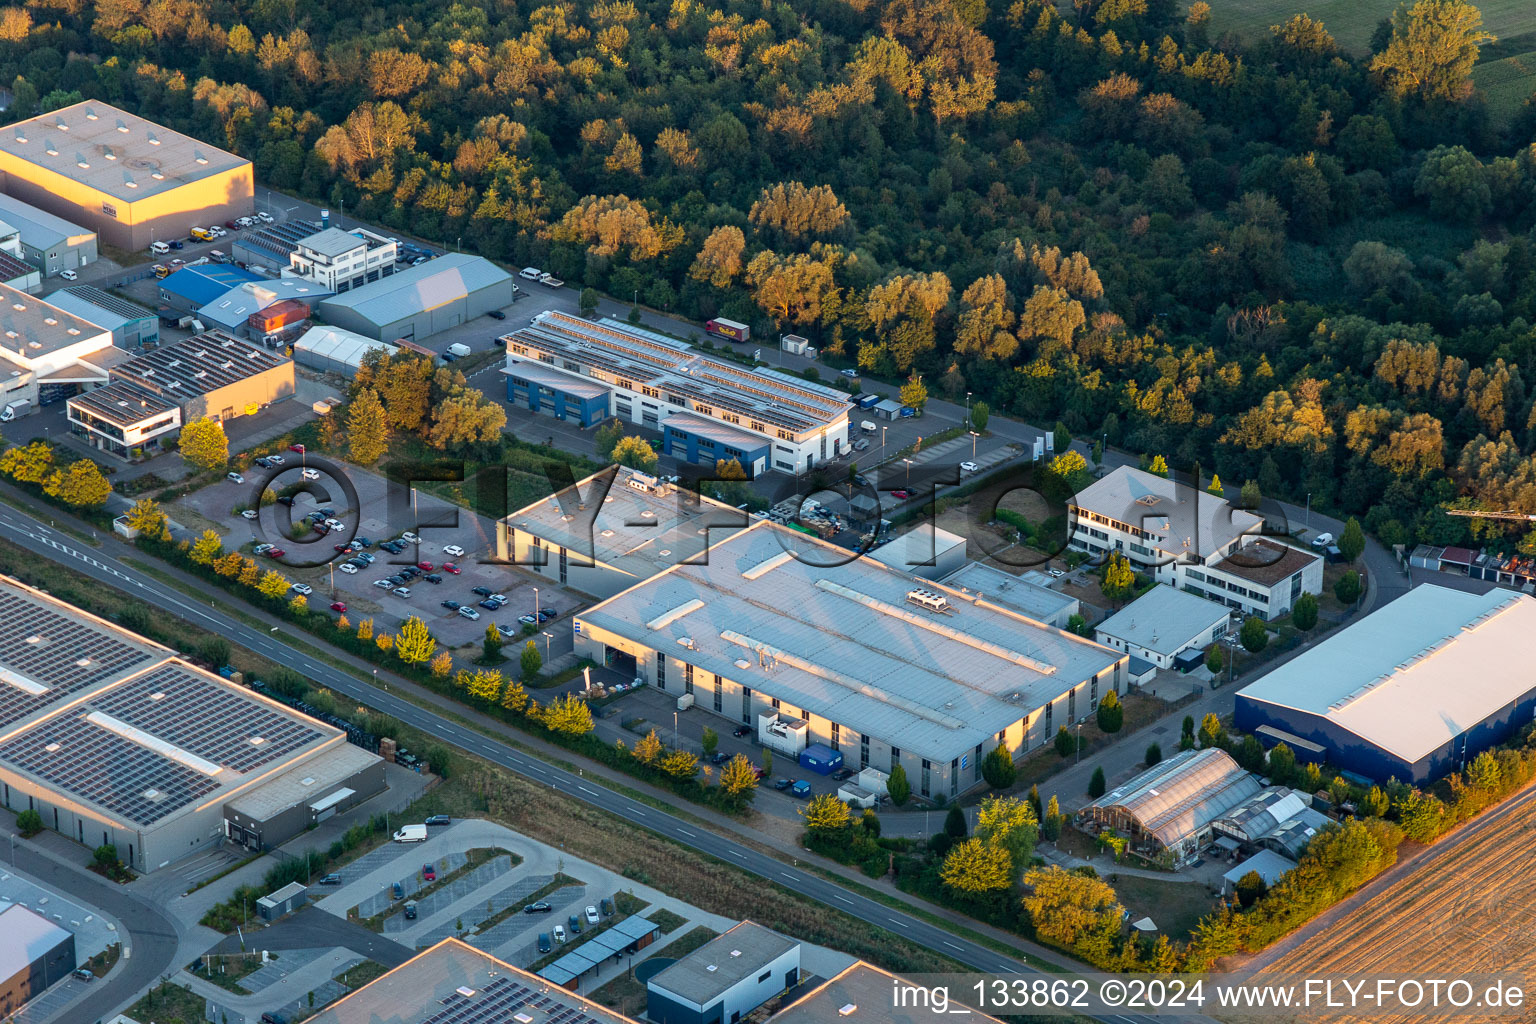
(929, 600)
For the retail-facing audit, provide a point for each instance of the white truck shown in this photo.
(459, 349)
(16, 410)
(411, 834)
(551, 281)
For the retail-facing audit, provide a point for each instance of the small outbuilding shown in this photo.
(1163, 624)
(285, 901)
(132, 325)
(725, 979)
(1269, 864)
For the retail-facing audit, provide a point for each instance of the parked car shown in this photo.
(545, 614)
(297, 448)
(311, 474)
(81, 972)
(410, 910)
(741, 730)
(362, 542)
(607, 906)
(275, 552)
(273, 1017)
(383, 584)
(338, 606)
(263, 462)
(782, 784)
(850, 374)
(901, 495)
(249, 513)
(331, 879)
(454, 550)
(538, 908)
(861, 445)
(303, 588)
(482, 591)
(425, 566)
(428, 873)
(450, 568)
(490, 605)
(559, 933)
(285, 499)
(402, 591)
(544, 946)
(277, 460)
(719, 757)
(575, 923)
(470, 614)
(432, 577)
(398, 891)
(528, 619)
(969, 467)
(1322, 540)
(591, 915)
(496, 314)
(348, 568)
(843, 774)
(438, 819)
(235, 478)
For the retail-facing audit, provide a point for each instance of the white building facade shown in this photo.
(340, 260)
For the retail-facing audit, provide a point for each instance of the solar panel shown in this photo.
(97, 765)
(215, 722)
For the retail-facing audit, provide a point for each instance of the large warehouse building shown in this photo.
(113, 739)
(49, 243)
(417, 303)
(707, 409)
(1415, 689)
(882, 667)
(213, 375)
(132, 325)
(131, 181)
(616, 528)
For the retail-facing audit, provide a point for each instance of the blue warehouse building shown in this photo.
(1414, 690)
(199, 284)
(560, 395)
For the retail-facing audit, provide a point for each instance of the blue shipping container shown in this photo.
(869, 401)
(821, 759)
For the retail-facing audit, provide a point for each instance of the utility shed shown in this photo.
(1415, 689)
(726, 978)
(925, 550)
(285, 901)
(1269, 864)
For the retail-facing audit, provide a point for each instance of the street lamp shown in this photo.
(967, 408)
(1079, 743)
(674, 728)
(535, 603)
(548, 636)
(974, 436)
(909, 469)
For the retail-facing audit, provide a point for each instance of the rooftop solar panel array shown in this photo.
(88, 761)
(499, 1000)
(40, 646)
(215, 722)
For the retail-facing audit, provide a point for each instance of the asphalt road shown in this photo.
(149, 948)
(34, 536)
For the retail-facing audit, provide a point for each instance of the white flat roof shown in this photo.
(1416, 673)
(1163, 619)
(1182, 519)
(1020, 593)
(842, 637)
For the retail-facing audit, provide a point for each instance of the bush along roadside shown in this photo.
(412, 652)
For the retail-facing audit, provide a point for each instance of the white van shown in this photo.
(159, 248)
(531, 273)
(411, 834)
(869, 427)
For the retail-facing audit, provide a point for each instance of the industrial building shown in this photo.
(455, 983)
(1415, 689)
(725, 979)
(707, 409)
(49, 243)
(339, 261)
(123, 419)
(197, 284)
(333, 350)
(416, 303)
(130, 180)
(271, 247)
(1168, 627)
(776, 626)
(1173, 805)
(232, 312)
(46, 353)
(132, 325)
(1028, 594)
(925, 550)
(35, 954)
(17, 273)
(114, 739)
(213, 375)
(1193, 540)
(612, 530)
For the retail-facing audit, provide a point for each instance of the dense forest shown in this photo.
(1279, 260)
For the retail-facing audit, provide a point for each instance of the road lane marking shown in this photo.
(685, 832)
(951, 945)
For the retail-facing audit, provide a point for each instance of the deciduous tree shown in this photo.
(826, 815)
(1433, 48)
(367, 430)
(414, 644)
(975, 867)
(568, 714)
(203, 444)
(1064, 906)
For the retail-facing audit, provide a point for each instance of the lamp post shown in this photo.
(536, 604)
(674, 728)
(1079, 744)
(909, 469)
(974, 436)
(548, 636)
(967, 408)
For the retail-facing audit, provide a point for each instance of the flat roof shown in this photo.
(28, 937)
(118, 724)
(122, 403)
(201, 283)
(31, 328)
(600, 948)
(1265, 561)
(1013, 592)
(99, 307)
(639, 525)
(437, 282)
(197, 365)
(235, 306)
(333, 242)
(918, 548)
(1181, 519)
(301, 783)
(1164, 619)
(538, 373)
(113, 151)
(612, 351)
(739, 953)
(40, 229)
(861, 994)
(848, 639)
(454, 983)
(1416, 673)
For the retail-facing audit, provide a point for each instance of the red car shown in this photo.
(425, 566)
(450, 568)
(902, 495)
(276, 553)
(342, 547)
(338, 606)
(428, 873)
(296, 448)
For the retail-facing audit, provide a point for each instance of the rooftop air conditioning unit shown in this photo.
(928, 599)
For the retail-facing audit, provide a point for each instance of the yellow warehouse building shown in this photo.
(131, 181)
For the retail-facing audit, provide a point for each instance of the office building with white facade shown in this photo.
(726, 979)
(46, 353)
(616, 528)
(1165, 625)
(1193, 540)
(340, 260)
(706, 408)
(883, 667)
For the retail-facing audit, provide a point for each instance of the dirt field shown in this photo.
(1469, 909)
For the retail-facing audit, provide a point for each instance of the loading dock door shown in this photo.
(619, 661)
